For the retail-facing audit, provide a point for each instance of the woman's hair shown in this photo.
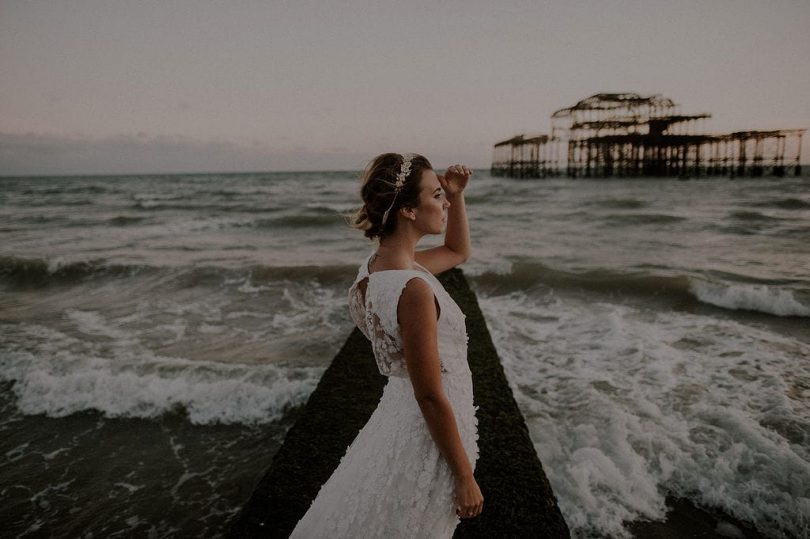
(377, 192)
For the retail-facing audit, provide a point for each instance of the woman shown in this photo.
(409, 471)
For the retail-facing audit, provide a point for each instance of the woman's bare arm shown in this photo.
(417, 318)
(456, 248)
(417, 313)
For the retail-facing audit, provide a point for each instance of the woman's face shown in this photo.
(431, 214)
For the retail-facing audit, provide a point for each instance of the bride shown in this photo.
(409, 471)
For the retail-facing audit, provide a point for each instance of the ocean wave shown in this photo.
(53, 203)
(328, 273)
(784, 204)
(527, 274)
(643, 219)
(750, 297)
(752, 216)
(618, 203)
(309, 219)
(38, 272)
(164, 205)
(254, 278)
(332, 208)
(67, 189)
(161, 204)
(627, 405)
(797, 232)
(60, 383)
(728, 291)
(52, 219)
(125, 220)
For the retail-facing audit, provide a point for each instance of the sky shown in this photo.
(101, 87)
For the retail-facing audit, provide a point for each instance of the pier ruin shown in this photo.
(627, 134)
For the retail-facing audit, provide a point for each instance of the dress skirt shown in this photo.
(393, 481)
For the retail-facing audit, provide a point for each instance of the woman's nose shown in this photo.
(446, 203)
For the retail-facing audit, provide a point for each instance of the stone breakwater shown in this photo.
(519, 499)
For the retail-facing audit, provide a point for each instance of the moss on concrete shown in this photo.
(518, 498)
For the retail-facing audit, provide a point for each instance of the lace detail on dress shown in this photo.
(382, 299)
(376, 317)
(357, 309)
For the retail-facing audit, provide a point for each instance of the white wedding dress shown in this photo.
(392, 481)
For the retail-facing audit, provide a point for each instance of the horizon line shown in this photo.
(232, 173)
(235, 173)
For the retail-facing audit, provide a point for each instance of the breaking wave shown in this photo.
(750, 297)
(26, 273)
(54, 381)
(735, 292)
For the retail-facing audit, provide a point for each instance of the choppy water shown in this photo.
(158, 332)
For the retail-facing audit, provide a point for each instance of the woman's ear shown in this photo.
(408, 213)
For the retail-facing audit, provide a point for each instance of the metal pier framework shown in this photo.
(631, 135)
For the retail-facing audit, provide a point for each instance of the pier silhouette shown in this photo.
(629, 135)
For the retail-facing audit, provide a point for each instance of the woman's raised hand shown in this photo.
(455, 179)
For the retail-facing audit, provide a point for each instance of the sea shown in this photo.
(158, 334)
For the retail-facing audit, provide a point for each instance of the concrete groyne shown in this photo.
(519, 500)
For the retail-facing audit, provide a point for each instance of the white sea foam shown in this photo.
(92, 323)
(18, 452)
(246, 314)
(129, 488)
(340, 208)
(248, 288)
(57, 375)
(53, 454)
(626, 405)
(751, 297)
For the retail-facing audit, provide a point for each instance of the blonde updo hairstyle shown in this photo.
(377, 192)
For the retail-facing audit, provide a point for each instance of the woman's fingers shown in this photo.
(460, 169)
(469, 501)
(466, 514)
(470, 512)
(456, 178)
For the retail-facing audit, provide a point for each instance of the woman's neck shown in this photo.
(397, 251)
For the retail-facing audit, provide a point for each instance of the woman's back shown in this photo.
(373, 300)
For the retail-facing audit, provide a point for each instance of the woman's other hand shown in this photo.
(469, 500)
(455, 179)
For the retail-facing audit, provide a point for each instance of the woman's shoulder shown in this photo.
(401, 279)
(417, 285)
(396, 282)
(418, 301)
(392, 282)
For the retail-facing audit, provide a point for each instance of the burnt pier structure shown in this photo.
(627, 134)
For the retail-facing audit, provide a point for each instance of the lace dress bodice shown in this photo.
(376, 316)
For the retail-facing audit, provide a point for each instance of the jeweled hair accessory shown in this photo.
(403, 173)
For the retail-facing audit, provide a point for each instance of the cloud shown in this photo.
(141, 153)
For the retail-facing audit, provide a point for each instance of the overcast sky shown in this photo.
(190, 86)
